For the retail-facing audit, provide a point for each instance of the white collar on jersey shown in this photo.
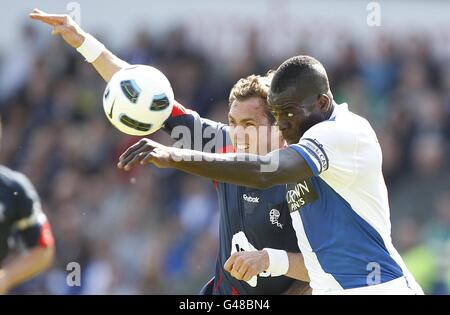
(338, 107)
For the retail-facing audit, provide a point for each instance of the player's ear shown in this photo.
(280, 142)
(324, 102)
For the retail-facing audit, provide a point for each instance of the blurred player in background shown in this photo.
(250, 219)
(24, 227)
(336, 192)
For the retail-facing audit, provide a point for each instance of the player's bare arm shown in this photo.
(244, 265)
(107, 64)
(24, 267)
(299, 288)
(240, 169)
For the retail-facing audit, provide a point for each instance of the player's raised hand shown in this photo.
(62, 25)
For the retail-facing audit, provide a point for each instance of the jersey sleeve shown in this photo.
(330, 151)
(194, 132)
(30, 222)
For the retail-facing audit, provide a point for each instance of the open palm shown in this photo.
(63, 25)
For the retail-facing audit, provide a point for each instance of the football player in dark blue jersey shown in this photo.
(23, 227)
(251, 220)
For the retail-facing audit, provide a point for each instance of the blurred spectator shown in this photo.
(413, 195)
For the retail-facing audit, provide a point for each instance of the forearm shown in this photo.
(276, 262)
(107, 64)
(297, 268)
(275, 168)
(239, 169)
(28, 265)
(280, 262)
(299, 288)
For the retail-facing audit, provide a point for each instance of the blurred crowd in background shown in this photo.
(153, 231)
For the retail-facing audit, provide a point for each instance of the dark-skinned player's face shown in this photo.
(295, 115)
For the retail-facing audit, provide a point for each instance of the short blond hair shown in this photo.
(253, 86)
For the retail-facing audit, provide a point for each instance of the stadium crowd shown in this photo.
(155, 231)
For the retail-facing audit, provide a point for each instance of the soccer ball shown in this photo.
(138, 100)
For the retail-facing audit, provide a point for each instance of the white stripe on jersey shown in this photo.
(316, 273)
(346, 230)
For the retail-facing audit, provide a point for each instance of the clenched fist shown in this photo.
(245, 265)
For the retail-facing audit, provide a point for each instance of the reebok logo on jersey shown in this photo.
(251, 199)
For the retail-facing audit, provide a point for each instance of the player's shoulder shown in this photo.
(342, 125)
(348, 120)
(8, 177)
(16, 181)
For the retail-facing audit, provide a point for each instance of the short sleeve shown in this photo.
(329, 149)
(191, 131)
(30, 222)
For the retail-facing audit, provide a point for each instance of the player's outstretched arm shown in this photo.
(278, 167)
(106, 63)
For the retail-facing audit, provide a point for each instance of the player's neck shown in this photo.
(330, 111)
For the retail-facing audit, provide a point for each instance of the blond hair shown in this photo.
(253, 86)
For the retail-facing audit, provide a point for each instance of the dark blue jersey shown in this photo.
(250, 219)
(21, 217)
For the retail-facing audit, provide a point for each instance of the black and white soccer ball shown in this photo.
(138, 100)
